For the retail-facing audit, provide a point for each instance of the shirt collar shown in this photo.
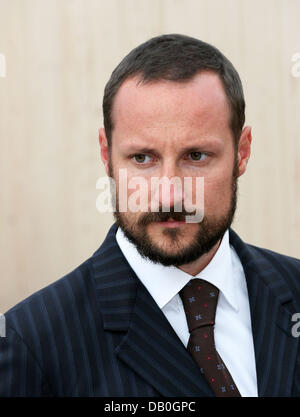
(164, 282)
(219, 272)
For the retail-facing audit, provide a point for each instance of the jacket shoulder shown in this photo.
(57, 291)
(259, 255)
(268, 263)
(48, 328)
(277, 259)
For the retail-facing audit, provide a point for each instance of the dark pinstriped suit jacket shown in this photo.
(98, 332)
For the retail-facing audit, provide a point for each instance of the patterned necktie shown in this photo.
(200, 303)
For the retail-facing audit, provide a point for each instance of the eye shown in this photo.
(197, 156)
(141, 158)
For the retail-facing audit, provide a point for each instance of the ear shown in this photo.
(104, 151)
(244, 150)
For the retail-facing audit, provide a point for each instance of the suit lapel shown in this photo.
(152, 348)
(149, 346)
(271, 307)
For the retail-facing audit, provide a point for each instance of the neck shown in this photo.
(193, 268)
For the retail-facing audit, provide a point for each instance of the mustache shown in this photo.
(163, 216)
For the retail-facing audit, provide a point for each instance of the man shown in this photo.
(165, 306)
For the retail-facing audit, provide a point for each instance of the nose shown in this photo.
(168, 189)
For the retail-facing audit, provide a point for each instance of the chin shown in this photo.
(170, 244)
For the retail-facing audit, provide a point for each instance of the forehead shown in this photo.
(200, 102)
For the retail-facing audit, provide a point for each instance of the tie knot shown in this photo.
(200, 300)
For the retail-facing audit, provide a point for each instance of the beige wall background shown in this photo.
(59, 55)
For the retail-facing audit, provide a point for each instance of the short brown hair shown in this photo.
(176, 58)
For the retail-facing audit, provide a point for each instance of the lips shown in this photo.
(172, 223)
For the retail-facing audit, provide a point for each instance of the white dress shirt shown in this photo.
(233, 333)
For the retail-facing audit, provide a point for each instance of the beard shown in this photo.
(209, 231)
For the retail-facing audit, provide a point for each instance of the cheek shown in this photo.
(218, 185)
(134, 191)
(217, 194)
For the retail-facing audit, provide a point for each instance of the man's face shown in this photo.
(171, 129)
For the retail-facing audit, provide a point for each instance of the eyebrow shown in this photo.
(136, 149)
